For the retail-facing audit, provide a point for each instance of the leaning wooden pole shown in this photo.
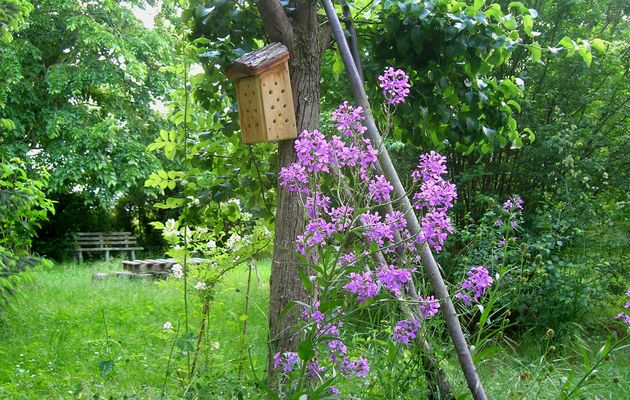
(430, 266)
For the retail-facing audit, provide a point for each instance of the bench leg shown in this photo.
(133, 254)
(80, 256)
(106, 255)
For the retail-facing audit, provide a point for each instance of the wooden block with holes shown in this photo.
(263, 90)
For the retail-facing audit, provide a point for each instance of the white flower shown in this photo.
(246, 216)
(170, 229)
(232, 240)
(200, 286)
(178, 271)
(211, 244)
(167, 325)
(215, 346)
(235, 201)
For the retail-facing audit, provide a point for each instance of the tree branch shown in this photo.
(276, 22)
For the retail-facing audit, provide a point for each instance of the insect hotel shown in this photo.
(263, 90)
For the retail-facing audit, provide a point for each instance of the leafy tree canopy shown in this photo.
(80, 82)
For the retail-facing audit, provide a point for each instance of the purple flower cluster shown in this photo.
(393, 279)
(623, 316)
(317, 155)
(347, 259)
(435, 227)
(335, 351)
(435, 197)
(362, 285)
(380, 189)
(359, 367)
(406, 330)
(293, 178)
(513, 203)
(349, 119)
(429, 306)
(476, 284)
(395, 85)
(286, 360)
(374, 228)
(316, 204)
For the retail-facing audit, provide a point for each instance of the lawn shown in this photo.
(60, 334)
(65, 336)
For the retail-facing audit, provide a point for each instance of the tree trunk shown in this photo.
(301, 36)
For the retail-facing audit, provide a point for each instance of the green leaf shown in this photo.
(599, 45)
(305, 350)
(338, 67)
(515, 105)
(528, 25)
(536, 52)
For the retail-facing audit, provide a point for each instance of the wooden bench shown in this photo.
(106, 242)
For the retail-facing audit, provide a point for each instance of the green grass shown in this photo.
(58, 329)
(62, 332)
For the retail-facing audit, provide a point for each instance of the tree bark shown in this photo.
(300, 34)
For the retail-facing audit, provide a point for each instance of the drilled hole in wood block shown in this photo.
(278, 99)
(271, 91)
(273, 107)
(286, 120)
(284, 106)
(282, 91)
(276, 84)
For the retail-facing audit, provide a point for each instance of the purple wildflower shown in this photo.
(367, 158)
(498, 222)
(359, 367)
(375, 230)
(429, 306)
(432, 166)
(341, 217)
(396, 220)
(514, 202)
(380, 189)
(348, 119)
(347, 259)
(395, 85)
(313, 151)
(362, 285)
(406, 330)
(334, 391)
(315, 370)
(435, 226)
(624, 317)
(316, 203)
(317, 230)
(286, 360)
(293, 178)
(392, 278)
(477, 284)
(514, 223)
(435, 193)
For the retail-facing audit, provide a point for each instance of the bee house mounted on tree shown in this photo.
(263, 90)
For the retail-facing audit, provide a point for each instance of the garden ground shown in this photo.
(65, 336)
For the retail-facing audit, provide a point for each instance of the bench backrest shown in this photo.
(105, 240)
